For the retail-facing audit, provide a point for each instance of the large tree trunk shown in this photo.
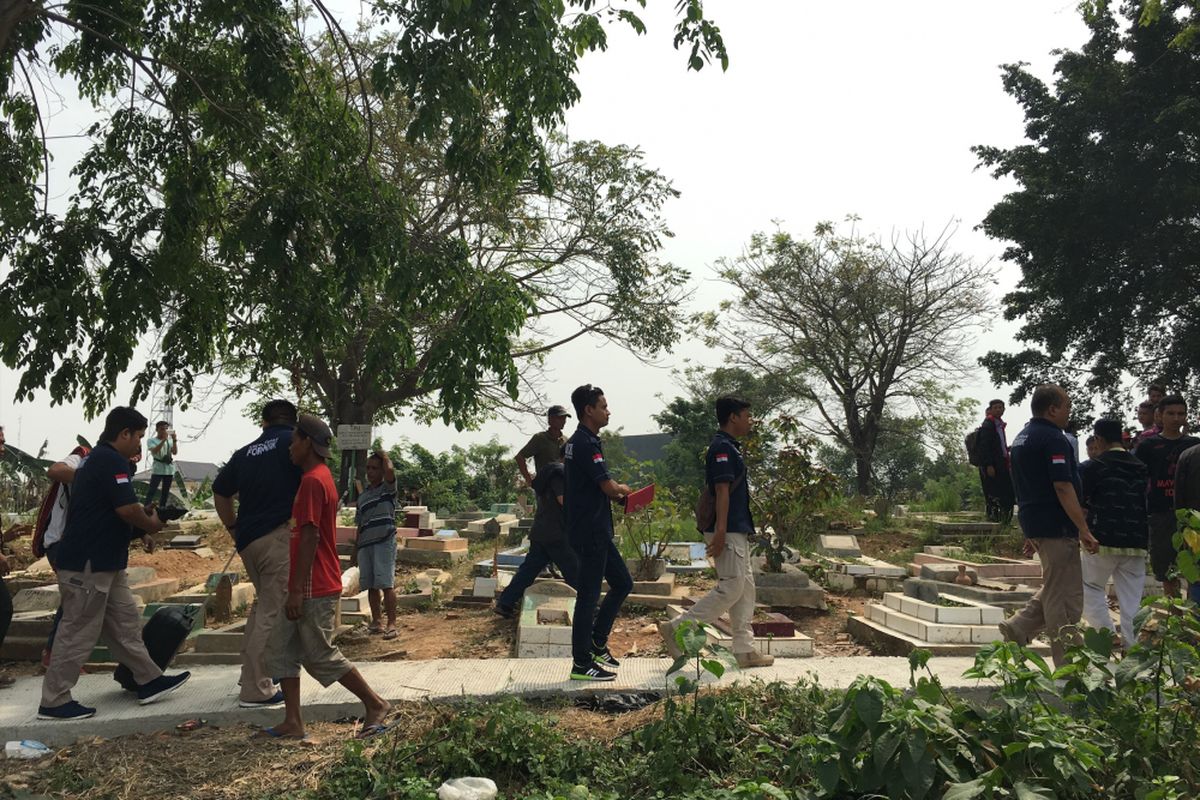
(862, 465)
(349, 412)
(12, 14)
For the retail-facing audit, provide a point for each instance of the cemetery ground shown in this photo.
(531, 743)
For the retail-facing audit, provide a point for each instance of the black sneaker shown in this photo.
(271, 702)
(508, 612)
(591, 672)
(604, 658)
(70, 710)
(160, 687)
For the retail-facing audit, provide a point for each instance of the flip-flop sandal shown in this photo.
(371, 731)
(374, 630)
(271, 733)
(391, 633)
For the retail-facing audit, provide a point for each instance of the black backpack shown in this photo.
(972, 444)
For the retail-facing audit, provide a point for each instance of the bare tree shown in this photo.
(855, 325)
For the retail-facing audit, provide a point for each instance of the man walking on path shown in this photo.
(1046, 478)
(264, 480)
(376, 542)
(544, 447)
(588, 506)
(995, 469)
(547, 540)
(92, 558)
(163, 448)
(1160, 453)
(1114, 496)
(305, 637)
(728, 539)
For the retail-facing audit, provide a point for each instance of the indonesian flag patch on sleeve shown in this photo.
(1058, 460)
(722, 458)
(597, 458)
(122, 477)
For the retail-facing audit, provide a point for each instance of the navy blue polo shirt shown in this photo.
(1042, 456)
(265, 481)
(586, 508)
(724, 464)
(94, 532)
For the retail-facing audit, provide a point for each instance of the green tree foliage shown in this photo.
(854, 327)
(1103, 222)
(231, 174)
(457, 479)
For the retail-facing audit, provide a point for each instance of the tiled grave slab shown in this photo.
(835, 544)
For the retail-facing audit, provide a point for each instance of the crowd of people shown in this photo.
(1119, 506)
(277, 499)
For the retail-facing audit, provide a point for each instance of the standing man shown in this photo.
(1160, 453)
(305, 637)
(547, 540)
(728, 539)
(544, 447)
(1046, 478)
(163, 448)
(376, 542)
(92, 558)
(588, 506)
(1114, 494)
(995, 468)
(263, 478)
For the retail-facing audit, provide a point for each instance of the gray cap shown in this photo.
(557, 411)
(317, 431)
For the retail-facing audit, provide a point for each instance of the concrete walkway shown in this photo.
(211, 693)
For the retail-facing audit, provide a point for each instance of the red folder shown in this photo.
(639, 499)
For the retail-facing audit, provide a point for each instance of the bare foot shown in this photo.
(284, 730)
(376, 714)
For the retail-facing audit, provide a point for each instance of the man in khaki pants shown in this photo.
(92, 557)
(728, 539)
(265, 480)
(1046, 477)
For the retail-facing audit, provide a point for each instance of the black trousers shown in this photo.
(165, 480)
(540, 555)
(52, 557)
(599, 561)
(6, 611)
(998, 494)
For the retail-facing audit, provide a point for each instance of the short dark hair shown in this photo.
(1108, 429)
(993, 402)
(1156, 387)
(729, 405)
(376, 455)
(161, 424)
(1146, 405)
(122, 418)
(1045, 396)
(584, 396)
(1172, 400)
(279, 412)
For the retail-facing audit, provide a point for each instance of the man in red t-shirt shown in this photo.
(314, 590)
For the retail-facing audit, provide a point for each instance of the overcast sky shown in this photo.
(827, 109)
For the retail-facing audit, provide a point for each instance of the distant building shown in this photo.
(194, 473)
(646, 446)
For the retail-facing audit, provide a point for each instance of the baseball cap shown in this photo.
(317, 431)
(557, 411)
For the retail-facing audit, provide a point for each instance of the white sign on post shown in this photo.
(354, 437)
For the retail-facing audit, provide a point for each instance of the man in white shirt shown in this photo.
(62, 473)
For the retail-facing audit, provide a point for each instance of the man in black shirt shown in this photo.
(92, 558)
(1114, 495)
(547, 540)
(1160, 453)
(994, 470)
(588, 509)
(1046, 478)
(264, 479)
(728, 537)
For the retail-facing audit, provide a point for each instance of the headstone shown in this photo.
(842, 545)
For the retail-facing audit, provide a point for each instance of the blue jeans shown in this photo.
(536, 559)
(155, 480)
(599, 560)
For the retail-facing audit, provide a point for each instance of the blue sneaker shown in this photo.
(271, 702)
(160, 687)
(69, 710)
